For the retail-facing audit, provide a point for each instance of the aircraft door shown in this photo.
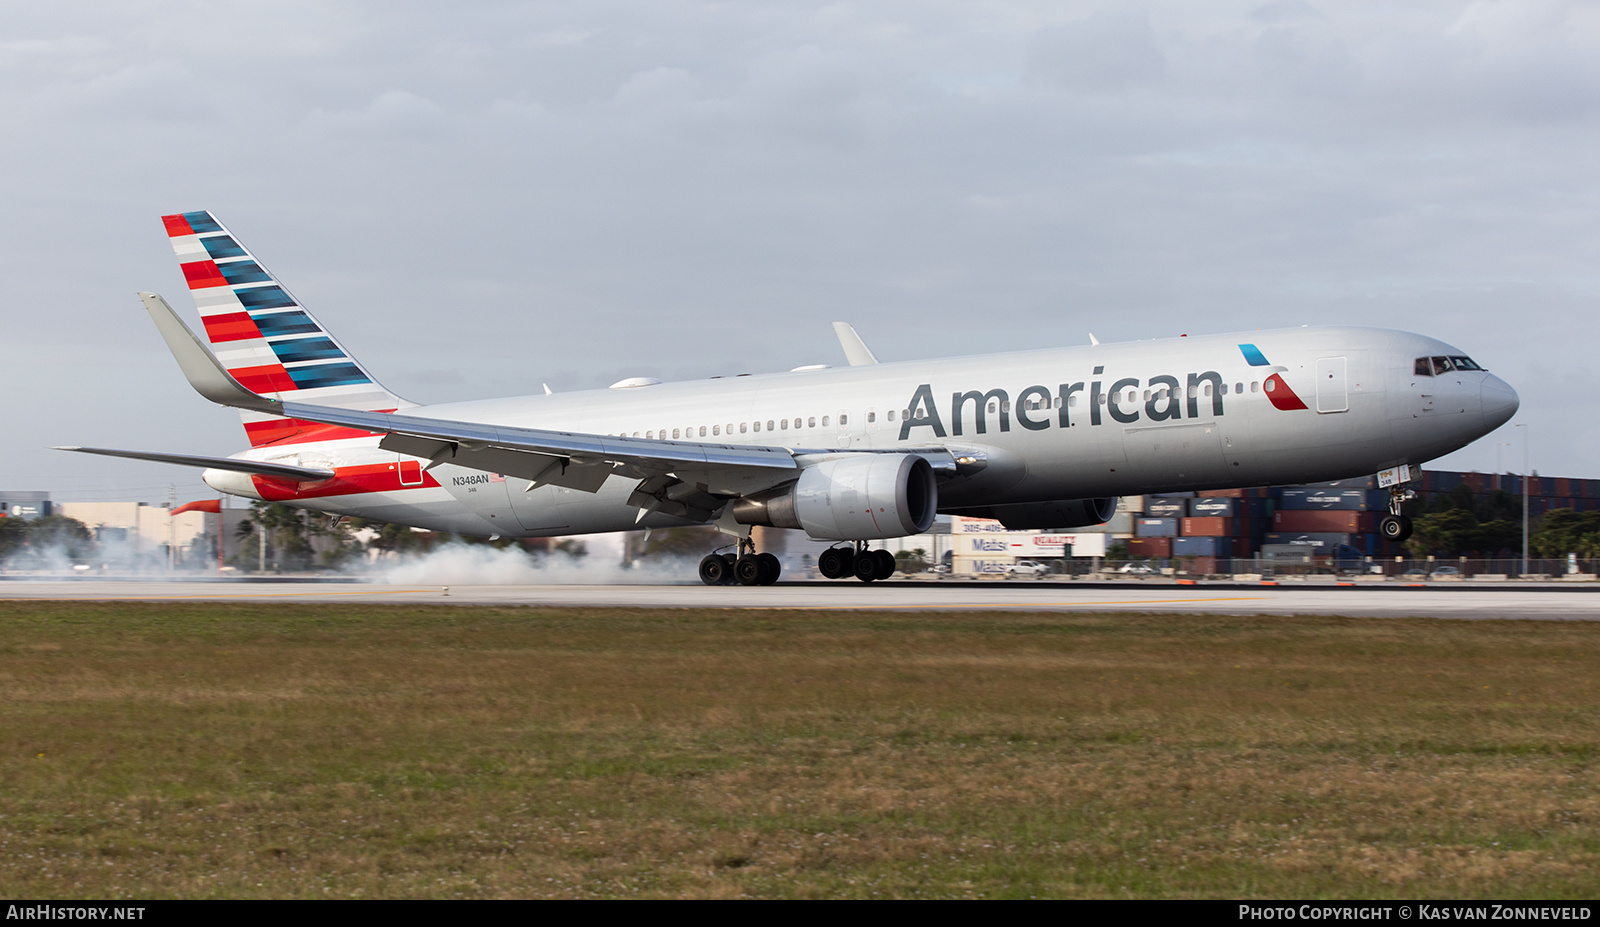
(1333, 387)
(410, 471)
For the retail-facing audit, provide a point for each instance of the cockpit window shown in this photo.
(1464, 363)
(1424, 367)
(1441, 365)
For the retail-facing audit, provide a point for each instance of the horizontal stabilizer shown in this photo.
(275, 471)
(204, 372)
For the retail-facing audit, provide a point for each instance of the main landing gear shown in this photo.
(748, 568)
(865, 565)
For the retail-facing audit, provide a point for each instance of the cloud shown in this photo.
(518, 192)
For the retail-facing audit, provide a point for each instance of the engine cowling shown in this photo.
(856, 497)
(1065, 513)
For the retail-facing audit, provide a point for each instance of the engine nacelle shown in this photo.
(1066, 513)
(857, 497)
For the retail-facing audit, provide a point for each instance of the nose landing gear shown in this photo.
(1395, 526)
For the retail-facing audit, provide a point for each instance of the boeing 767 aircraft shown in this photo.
(1037, 439)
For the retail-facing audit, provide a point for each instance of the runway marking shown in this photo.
(217, 595)
(1019, 604)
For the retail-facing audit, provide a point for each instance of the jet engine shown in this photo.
(850, 498)
(1067, 513)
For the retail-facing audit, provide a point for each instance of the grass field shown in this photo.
(205, 750)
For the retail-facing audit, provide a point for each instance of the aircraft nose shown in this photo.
(1500, 401)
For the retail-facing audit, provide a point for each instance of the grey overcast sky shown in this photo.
(480, 197)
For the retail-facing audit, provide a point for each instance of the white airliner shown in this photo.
(1037, 439)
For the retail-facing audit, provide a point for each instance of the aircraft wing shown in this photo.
(265, 468)
(575, 460)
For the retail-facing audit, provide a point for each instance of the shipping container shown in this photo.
(1326, 520)
(1228, 508)
(1207, 527)
(1202, 546)
(1148, 548)
(1254, 492)
(1366, 545)
(1359, 500)
(1155, 527)
(1166, 508)
(1207, 566)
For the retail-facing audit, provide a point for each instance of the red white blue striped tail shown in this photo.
(266, 339)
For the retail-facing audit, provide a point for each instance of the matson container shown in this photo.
(1325, 520)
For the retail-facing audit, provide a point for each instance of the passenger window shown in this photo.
(1255, 386)
(702, 431)
(812, 422)
(1072, 403)
(636, 434)
(784, 424)
(872, 417)
(1222, 390)
(769, 425)
(1270, 385)
(1422, 368)
(743, 427)
(992, 409)
(715, 429)
(1207, 390)
(891, 415)
(1146, 395)
(844, 419)
(1238, 388)
(824, 421)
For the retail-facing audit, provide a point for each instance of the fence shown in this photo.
(1440, 568)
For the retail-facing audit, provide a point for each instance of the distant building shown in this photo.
(25, 504)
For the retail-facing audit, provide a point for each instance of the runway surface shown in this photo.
(1550, 602)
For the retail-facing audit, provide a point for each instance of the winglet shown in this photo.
(855, 350)
(204, 372)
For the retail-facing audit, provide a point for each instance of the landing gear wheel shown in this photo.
(729, 578)
(1394, 528)
(713, 570)
(868, 567)
(748, 570)
(836, 562)
(886, 563)
(771, 569)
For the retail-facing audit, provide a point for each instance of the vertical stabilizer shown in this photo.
(264, 337)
